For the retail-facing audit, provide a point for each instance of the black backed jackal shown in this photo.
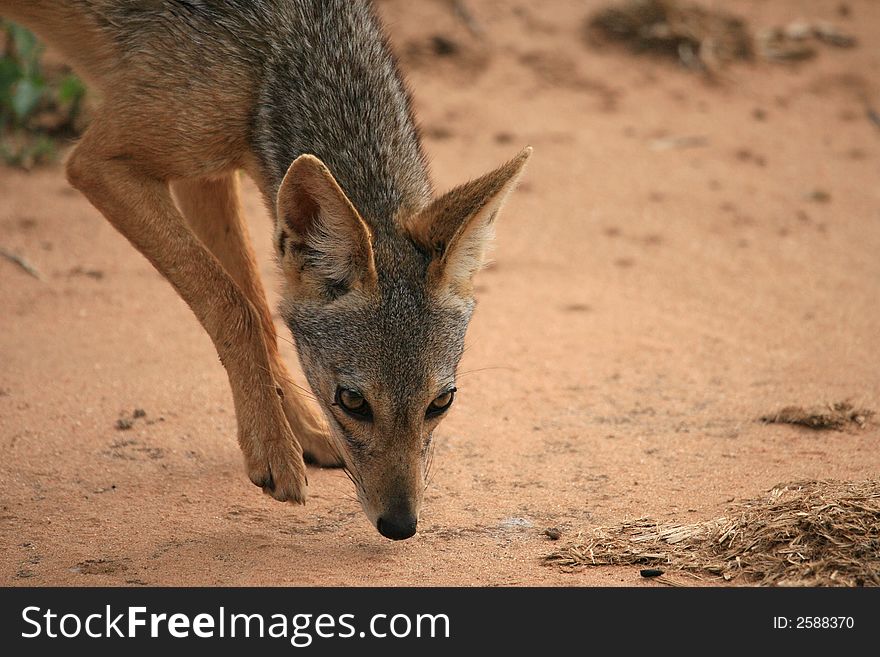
(305, 96)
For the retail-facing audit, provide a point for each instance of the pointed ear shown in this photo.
(457, 228)
(324, 247)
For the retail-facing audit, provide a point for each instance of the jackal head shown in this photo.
(379, 315)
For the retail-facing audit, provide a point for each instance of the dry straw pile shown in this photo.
(808, 533)
(833, 416)
(698, 37)
(705, 38)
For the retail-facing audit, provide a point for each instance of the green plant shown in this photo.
(37, 106)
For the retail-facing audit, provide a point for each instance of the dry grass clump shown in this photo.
(698, 37)
(833, 416)
(706, 39)
(807, 533)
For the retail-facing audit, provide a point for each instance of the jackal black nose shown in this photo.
(397, 527)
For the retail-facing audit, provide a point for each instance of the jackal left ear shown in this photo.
(324, 246)
(457, 228)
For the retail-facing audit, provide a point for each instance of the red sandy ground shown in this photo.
(646, 305)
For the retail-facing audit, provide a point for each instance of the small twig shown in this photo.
(21, 262)
(461, 10)
(668, 582)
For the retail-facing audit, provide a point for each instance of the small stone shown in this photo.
(819, 196)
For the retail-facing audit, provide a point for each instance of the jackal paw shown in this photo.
(317, 450)
(311, 431)
(278, 468)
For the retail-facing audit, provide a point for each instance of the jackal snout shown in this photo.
(398, 523)
(391, 487)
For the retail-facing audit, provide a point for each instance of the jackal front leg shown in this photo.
(140, 206)
(212, 209)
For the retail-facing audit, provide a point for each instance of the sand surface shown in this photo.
(680, 259)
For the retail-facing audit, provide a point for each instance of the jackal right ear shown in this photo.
(324, 247)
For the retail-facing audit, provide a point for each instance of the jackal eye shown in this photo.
(353, 403)
(441, 403)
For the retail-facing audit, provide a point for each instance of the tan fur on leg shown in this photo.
(142, 209)
(213, 210)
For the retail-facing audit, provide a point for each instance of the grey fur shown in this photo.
(331, 88)
(321, 74)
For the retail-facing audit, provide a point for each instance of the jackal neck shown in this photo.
(331, 88)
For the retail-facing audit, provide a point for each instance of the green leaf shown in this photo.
(71, 90)
(10, 72)
(25, 96)
(27, 48)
